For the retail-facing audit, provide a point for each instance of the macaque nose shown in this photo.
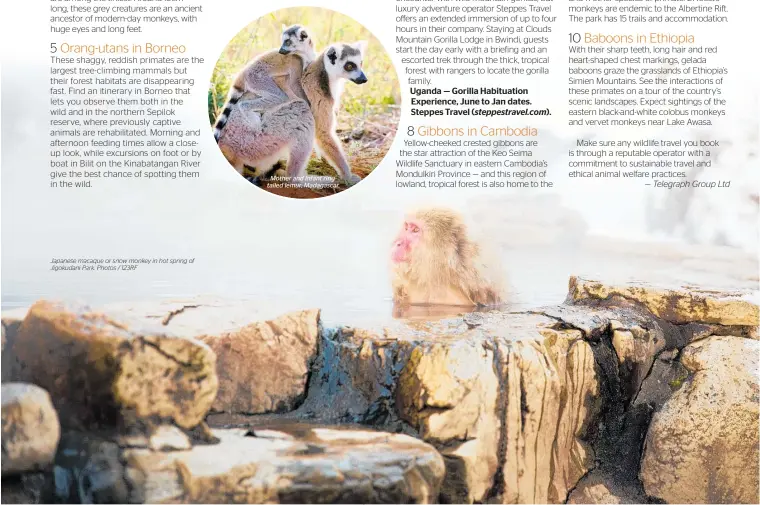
(398, 251)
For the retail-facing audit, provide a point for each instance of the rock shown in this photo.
(635, 349)
(629, 337)
(666, 376)
(449, 392)
(595, 492)
(544, 406)
(355, 378)
(162, 438)
(552, 396)
(25, 488)
(199, 315)
(271, 464)
(255, 375)
(30, 428)
(452, 383)
(679, 306)
(264, 367)
(89, 469)
(506, 409)
(169, 438)
(600, 488)
(702, 446)
(356, 133)
(11, 320)
(668, 356)
(105, 370)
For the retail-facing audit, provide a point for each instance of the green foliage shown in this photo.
(678, 381)
(320, 167)
(326, 27)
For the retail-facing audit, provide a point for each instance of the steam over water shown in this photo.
(332, 253)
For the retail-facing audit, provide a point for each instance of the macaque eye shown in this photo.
(415, 228)
(350, 67)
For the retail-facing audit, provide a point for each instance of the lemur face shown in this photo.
(296, 40)
(344, 61)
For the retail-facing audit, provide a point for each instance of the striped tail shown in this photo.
(235, 94)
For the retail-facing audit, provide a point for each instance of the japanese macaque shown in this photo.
(434, 261)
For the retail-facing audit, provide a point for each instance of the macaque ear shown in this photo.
(362, 46)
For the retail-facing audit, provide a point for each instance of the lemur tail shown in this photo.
(235, 94)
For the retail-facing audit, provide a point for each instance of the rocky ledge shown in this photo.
(624, 393)
(285, 463)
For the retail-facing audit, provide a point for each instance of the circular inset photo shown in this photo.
(304, 102)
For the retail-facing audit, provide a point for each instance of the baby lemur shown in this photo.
(272, 78)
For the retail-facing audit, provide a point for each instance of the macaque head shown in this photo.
(429, 235)
(296, 40)
(435, 261)
(344, 61)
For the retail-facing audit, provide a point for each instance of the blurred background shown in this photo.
(333, 252)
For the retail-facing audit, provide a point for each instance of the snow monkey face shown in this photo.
(407, 240)
(344, 61)
(296, 40)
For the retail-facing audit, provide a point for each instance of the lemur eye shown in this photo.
(350, 67)
(288, 42)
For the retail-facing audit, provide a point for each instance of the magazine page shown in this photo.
(391, 251)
